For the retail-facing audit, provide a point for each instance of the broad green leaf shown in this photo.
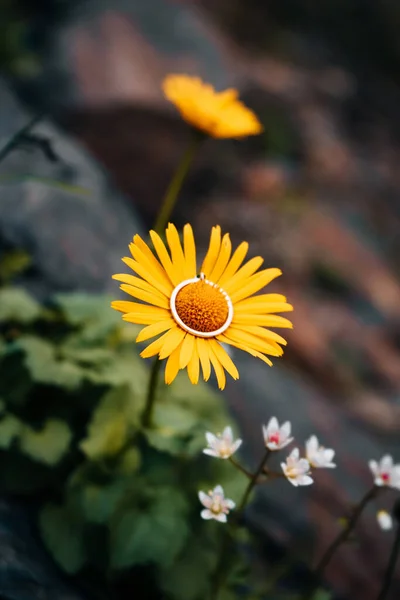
(189, 578)
(62, 531)
(109, 428)
(13, 263)
(43, 366)
(47, 445)
(100, 501)
(82, 308)
(17, 305)
(154, 531)
(130, 462)
(10, 427)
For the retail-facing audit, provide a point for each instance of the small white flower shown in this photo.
(275, 437)
(385, 472)
(385, 520)
(216, 505)
(222, 445)
(297, 469)
(318, 456)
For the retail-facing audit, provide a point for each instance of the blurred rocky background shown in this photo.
(318, 195)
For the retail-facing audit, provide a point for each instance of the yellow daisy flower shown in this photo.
(218, 114)
(197, 311)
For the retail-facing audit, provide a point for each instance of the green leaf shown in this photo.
(13, 263)
(62, 531)
(322, 595)
(109, 428)
(47, 445)
(17, 305)
(10, 428)
(154, 531)
(82, 309)
(43, 366)
(189, 577)
(129, 463)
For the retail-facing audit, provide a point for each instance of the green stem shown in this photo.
(17, 137)
(163, 217)
(175, 185)
(251, 484)
(387, 580)
(221, 570)
(338, 541)
(239, 467)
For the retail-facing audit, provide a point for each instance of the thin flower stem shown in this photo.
(221, 570)
(251, 485)
(394, 554)
(163, 217)
(175, 185)
(239, 467)
(338, 541)
(18, 137)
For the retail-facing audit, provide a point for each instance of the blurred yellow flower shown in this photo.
(198, 311)
(218, 114)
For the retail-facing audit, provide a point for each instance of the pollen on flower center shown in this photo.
(201, 307)
(274, 437)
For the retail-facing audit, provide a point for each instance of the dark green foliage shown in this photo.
(112, 496)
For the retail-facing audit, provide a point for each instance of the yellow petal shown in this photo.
(236, 282)
(187, 348)
(172, 366)
(177, 256)
(157, 277)
(190, 252)
(237, 258)
(137, 282)
(153, 263)
(165, 259)
(222, 260)
(223, 339)
(148, 297)
(202, 350)
(144, 271)
(145, 319)
(155, 347)
(155, 329)
(254, 305)
(193, 367)
(219, 371)
(262, 320)
(266, 334)
(255, 283)
(213, 251)
(126, 306)
(224, 359)
(241, 336)
(173, 339)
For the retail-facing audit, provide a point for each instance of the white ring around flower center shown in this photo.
(205, 334)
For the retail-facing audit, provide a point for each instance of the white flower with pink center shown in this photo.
(277, 437)
(216, 505)
(222, 445)
(318, 456)
(385, 520)
(385, 472)
(296, 469)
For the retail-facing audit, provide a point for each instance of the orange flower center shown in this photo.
(201, 307)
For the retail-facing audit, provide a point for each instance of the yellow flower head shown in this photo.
(198, 310)
(218, 114)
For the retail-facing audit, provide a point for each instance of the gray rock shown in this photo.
(65, 212)
(26, 570)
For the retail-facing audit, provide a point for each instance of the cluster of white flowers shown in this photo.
(297, 469)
